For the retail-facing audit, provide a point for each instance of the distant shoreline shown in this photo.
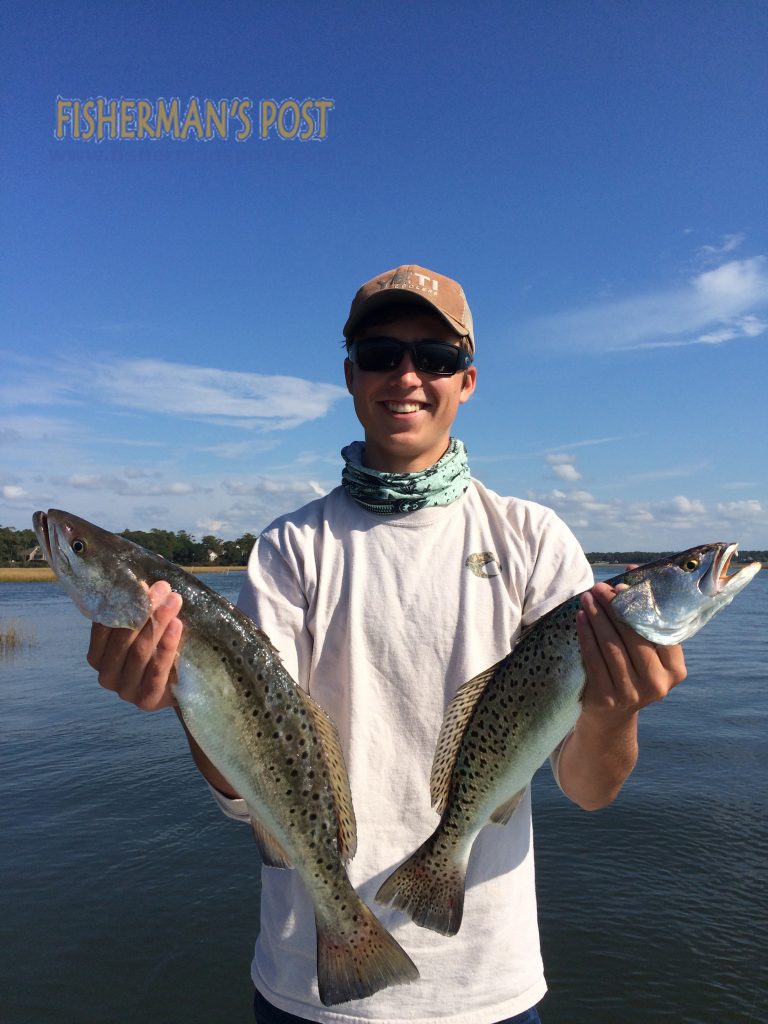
(43, 574)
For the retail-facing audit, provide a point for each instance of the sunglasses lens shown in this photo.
(384, 354)
(379, 354)
(437, 357)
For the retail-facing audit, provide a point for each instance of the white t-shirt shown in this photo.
(381, 619)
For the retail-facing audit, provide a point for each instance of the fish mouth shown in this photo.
(40, 526)
(717, 579)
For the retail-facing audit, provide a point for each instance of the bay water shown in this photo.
(126, 895)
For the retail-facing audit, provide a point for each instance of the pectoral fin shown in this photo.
(504, 811)
(272, 853)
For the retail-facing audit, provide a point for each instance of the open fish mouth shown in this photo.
(717, 579)
(40, 524)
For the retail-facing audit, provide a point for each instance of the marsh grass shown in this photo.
(22, 574)
(12, 637)
(45, 575)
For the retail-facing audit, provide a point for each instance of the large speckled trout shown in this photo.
(276, 746)
(505, 722)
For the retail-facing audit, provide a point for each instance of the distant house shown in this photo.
(213, 556)
(34, 554)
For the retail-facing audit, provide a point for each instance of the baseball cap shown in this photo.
(410, 282)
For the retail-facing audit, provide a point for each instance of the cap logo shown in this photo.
(403, 279)
(423, 277)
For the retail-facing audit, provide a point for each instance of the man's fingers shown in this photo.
(638, 671)
(99, 637)
(154, 691)
(608, 669)
(673, 660)
(136, 664)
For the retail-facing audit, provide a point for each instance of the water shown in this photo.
(127, 896)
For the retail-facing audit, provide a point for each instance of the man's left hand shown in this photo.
(625, 672)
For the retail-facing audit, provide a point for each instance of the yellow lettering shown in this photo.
(244, 114)
(323, 106)
(103, 119)
(87, 110)
(143, 114)
(127, 113)
(306, 133)
(167, 118)
(192, 120)
(217, 117)
(62, 115)
(268, 117)
(76, 119)
(282, 130)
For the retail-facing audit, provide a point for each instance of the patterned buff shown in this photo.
(387, 494)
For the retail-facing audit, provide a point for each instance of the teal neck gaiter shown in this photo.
(387, 494)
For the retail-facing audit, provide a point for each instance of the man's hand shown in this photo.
(624, 673)
(138, 664)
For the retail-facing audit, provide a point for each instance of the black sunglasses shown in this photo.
(429, 356)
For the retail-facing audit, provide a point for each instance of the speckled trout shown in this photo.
(276, 747)
(503, 724)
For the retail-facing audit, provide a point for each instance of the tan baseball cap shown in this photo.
(404, 284)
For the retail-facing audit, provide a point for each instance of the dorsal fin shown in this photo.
(337, 772)
(457, 715)
(504, 811)
(272, 853)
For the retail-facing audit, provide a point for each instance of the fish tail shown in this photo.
(429, 886)
(357, 961)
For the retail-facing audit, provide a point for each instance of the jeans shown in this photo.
(266, 1013)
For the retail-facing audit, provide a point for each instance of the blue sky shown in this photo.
(594, 173)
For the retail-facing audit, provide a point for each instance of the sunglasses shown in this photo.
(429, 356)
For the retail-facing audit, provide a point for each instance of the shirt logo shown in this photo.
(484, 564)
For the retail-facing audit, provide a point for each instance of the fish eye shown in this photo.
(78, 546)
(690, 564)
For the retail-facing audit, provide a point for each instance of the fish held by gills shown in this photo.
(276, 747)
(503, 724)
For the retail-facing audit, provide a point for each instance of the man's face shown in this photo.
(407, 414)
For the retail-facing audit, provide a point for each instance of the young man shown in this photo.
(378, 608)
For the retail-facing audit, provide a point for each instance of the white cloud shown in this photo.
(13, 492)
(214, 526)
(714, 253)
(219, 396)
(565, 471)
(266, 485)
(680, 506)
(715, 306)
(672, 523)
(206, 394)
(748, 509)
(562, 466)
(127, 486)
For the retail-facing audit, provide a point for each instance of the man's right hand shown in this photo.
(139, 664)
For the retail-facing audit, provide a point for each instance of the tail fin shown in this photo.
(428, 887)
(358, 963)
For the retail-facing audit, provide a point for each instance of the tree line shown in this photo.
(181, 547)
(623, 557)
